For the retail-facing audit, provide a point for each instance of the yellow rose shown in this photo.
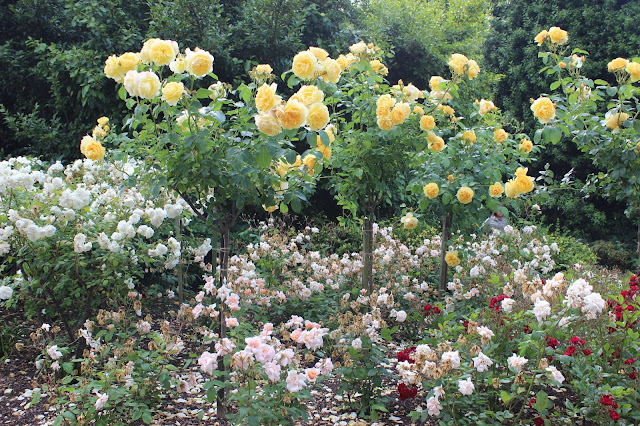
(343, 61)
(486, 106)
(541, 37)
(618, 64)
(427, 123)
(270, 209)
(172, 92)
(562, 64)
(324, 150)
(383, 112)
(500, 135)
(409, 221)
(148, 85)
(266, 97)
(412, 92)
(103, 121)
(178, 65)
(295, 115)
(358, 48)
(282, 167)
(465, 195)
(434, 82)
(305, 65)
(510, 189)
(472, 69)
(218, 91)
(91, 148)
(379, 67)
(319, 53)
(496, 190)
(522, 171)
(160, 52)
(117, 67)
(558, 35)
(400, 112)
(431, 190)
(386, 101)
(418, 110)
(332, 71)
(330, 131)
(385, 122)
(544, 110)
(614, 120)
(452, 259)
(268, 124)
(447, 110)
(436, 143)
(198, 62)
(469, 136)
(264, 69)
(310, 95)
(526, 145)
(633, 68)
(309, 162)
(318, 116)
(458, 62)
(98, 132)
(111, 68)
(128, 61)
(523, 184)
(450, 178)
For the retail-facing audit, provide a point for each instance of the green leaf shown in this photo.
(551, 134)
(542, 402)
(446, 198)
(68, 367)
(284, 208)
(146, 417)
(263, 159)
(555, 85)
(295, 205)
(505, 397)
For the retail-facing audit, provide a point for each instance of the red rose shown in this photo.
(570, 350)
(630, 361)
(586, 351)
(552, 342)
(405, 392)
(614, 415)
(606, 399)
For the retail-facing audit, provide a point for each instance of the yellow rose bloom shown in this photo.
(305, 65)
(172, 92)
(633, 68)
(358, 48)
(148, 85)
(431, 190)
(319, 53)
(330, 131)
(318, 116)
(218, 91)
(496, 190)
(452, 259)
(469, 136)
(427, 122)
(266, 97)
(103, 121)
(295, 115)
(486, 106)
(613, 121)
(500, 135)
(523, 184)
(526, 145)
(309, 162)
(541, 37)
(558, 35)
(544, 109)
(264, 69)
(343, 62)
(412, 92)
(199, 62)
(379, 67)
(128, 61)
(383, 112)
(435, 142)
(465, 195)
(450, 178)
(98, 132)
(111, 68)
(386, 101)
(178, 65)
(618, 64)
(457, 63)
(472, 69)
(435, 81)
(409, 221)
(418, 110)
(400, 112)
(282, 167)
(268, 124)
(310, 95)
(270, 209)
(510, 189)
(117, 67)
(385, 122)
(447, 110)
(161, 52)
(332, 70)
(324, 150)
(91, 148)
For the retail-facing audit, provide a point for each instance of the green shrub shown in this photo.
(572, 251)
(613, 254)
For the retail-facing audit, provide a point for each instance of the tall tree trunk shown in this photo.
(179, 270)
(224, 271)
(446, 229)
(367, 253)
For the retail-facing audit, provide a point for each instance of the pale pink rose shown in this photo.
(225, 346)
(433, 406)
(231, 321)
(295, 335)
(253, 343)
(233, 302)
(325, 366)
(466, 387)
(312, 374)
(284, 357)
(272, 370)
(264, 353)
(242, 359)
(208, 286)
(102, 399)
(53, 352)
(208, 362)
(356, 343)
(295, 381)
(200, 296)
(401, 316)
(197, 310)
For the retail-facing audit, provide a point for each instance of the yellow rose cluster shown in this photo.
(554, 35)
(316, 63)
(614, 121)
(390, 112)
(437, 94)
(520, 184)
(409, 221)
(116, 67)
(622, 65)
(461, 65)
(544, 109)
(305, 107)
(485, 106)
(90, 146)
